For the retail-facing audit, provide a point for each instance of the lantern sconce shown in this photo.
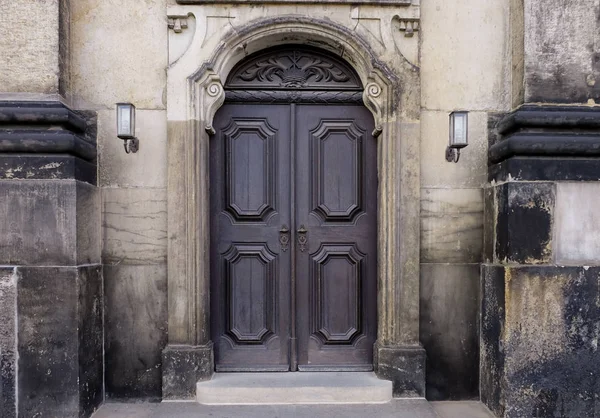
(459, 135)
(126, 127)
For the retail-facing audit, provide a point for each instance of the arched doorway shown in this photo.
(293, 187)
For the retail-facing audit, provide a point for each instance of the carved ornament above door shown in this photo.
(295, 68)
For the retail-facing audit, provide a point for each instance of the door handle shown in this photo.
(284, 237)
(302, 238)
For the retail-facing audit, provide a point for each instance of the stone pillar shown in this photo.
(540, 288)
(51, 297)
(398, 355)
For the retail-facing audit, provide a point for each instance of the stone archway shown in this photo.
(195, 93)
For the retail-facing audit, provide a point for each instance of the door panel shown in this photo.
(336, 202)
(249, 204)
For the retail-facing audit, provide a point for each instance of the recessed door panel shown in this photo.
(250, 168)
(338, 161)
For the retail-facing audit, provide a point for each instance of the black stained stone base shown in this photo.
(8, 349)
(183, 367)
(59, 342)
(404, 366)
(539, 333)
(524, 219)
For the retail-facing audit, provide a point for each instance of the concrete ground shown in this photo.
(398, 408)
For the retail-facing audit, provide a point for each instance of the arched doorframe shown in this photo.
(398, 355)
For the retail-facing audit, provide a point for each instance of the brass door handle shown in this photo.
(302, 238)
(284, 237)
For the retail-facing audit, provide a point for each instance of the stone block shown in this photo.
(147, 167)
(135, 226)
(31, 52)
(122, 55)
(183, 367)
(404, 366)
(49, 222)
(47, 167)
(540, 327)
(524, 222)
(463, 55)
(449, 325)
(451, 225)
(471, 170)
(561, 68)
(136, 329)
(576, 221)
(8, 342)
(59, 341)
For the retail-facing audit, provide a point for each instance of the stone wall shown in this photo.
(562, 65)
(34, 50)
(540, 322)
(123, 57)
(119, 54)
(51, 288)
(463, 66)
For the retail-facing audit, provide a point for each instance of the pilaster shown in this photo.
(539, 285)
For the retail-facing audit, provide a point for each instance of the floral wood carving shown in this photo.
(294, 69)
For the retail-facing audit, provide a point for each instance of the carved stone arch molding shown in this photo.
(195, 92)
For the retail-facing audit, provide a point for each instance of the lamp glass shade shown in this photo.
(459, 129)
(125, 120)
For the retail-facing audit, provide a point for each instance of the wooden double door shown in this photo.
(293, 237)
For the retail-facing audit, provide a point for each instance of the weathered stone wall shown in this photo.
(463, 66)
(51, 290)
(540, 322)
(119, 54)
(562, 51)
(34, 44)
(123, 57)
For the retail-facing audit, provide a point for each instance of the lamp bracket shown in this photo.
(131, 145)
(452, 154)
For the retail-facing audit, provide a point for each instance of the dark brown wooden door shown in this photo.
(293, 237)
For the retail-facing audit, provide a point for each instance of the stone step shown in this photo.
(293, 388)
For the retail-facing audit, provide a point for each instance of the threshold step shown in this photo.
(293, 388)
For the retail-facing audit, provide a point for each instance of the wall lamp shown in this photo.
(459, 135)
(126, 127)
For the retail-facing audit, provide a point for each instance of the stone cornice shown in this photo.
(46, 128)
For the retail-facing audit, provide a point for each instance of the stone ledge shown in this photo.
(41, 113)
(37, 127)
(548, 132)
